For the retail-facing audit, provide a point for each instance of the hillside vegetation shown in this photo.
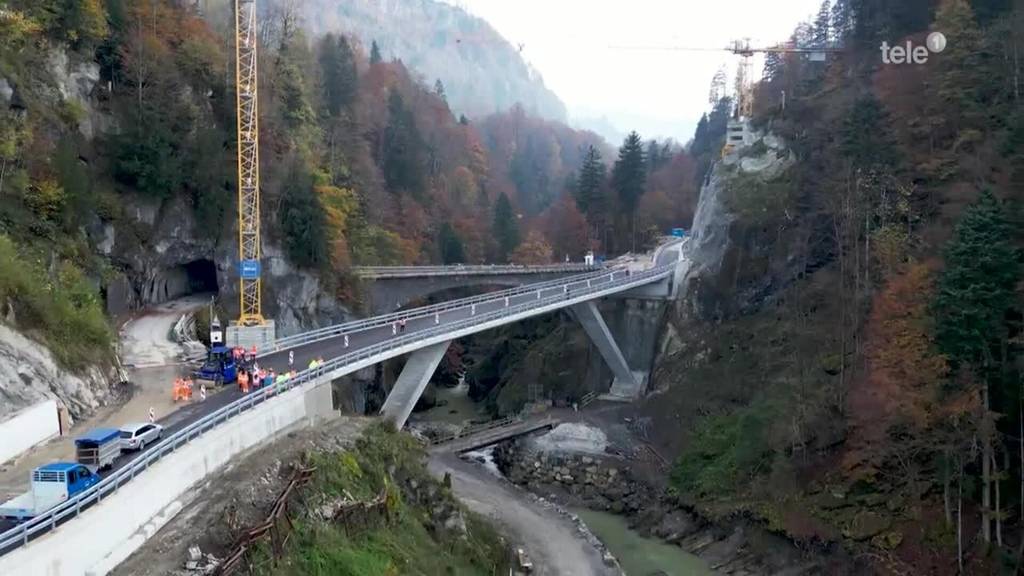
(419, 530)
(854, 374)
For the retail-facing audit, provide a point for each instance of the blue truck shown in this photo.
(680, 232)
(219, 367)
(98, 448)
(51, 484)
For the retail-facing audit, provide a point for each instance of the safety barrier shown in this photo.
(21, 534)
(336, 330)
(371, 272)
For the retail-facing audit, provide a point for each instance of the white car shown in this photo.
(136, 436)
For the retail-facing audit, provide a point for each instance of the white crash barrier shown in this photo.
(107, 533)
(27, 428)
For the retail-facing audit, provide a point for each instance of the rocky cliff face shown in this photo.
(179, 259)
(31, 375)
(725, 276)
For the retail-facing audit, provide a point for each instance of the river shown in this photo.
(640, 556)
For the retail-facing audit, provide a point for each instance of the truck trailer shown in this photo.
(98, 448)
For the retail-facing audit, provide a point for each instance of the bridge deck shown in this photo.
(492, 434)
(345, 351)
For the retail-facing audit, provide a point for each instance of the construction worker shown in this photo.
(401, 325)
(243, 382)
(312, 364)
(188, 388)
(252, 351)
(176, 390)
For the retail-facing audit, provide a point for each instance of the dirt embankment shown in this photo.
(234, 499)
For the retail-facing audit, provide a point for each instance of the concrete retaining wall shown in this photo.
(104, 535)
(28, 428)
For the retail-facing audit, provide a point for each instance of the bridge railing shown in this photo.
(466, 269)
(336, 330)
(21, 534)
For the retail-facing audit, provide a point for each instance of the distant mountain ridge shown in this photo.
(481, 71)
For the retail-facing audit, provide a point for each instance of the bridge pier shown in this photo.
(593, 324)
(411, 383)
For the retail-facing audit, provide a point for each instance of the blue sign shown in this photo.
(249, 269)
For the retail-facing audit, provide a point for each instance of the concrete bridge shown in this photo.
(94, 531)
(390, 288)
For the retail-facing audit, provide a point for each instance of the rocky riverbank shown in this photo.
(604, 482)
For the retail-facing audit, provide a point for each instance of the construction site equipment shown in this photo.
(219, 368)
(251, 327)
(247, 101)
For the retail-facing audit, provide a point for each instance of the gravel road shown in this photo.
(551, 540)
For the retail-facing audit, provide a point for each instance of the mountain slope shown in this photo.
(482, 73)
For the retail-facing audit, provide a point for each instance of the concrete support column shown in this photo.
(593, 324)
(320, 403)
(411, 383)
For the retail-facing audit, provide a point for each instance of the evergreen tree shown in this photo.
(340, 78)
(452, 249)
(842, 20)
(506, 227)
(439, 90)
(654, 158)
(823, 26)
(629, 177)
(589, 189)
(302, 220)
(773, 64)
(961, 75)
(865, 137)
(976, 290)
(402, 161)
(375, 57)
(701, 142)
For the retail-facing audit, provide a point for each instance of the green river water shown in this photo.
(638, 556)
(641, 556)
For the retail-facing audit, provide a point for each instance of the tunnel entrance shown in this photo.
(202, 276)
(195, 277)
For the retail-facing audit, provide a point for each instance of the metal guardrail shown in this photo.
(371, 272)
(354, 326)
(21, 534)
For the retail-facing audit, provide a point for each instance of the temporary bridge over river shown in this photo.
(132, 501)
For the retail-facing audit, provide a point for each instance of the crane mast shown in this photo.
(251, 313)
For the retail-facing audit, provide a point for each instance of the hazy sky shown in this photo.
(574, 45)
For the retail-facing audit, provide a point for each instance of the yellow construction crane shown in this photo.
(744, 73)
(251, 312)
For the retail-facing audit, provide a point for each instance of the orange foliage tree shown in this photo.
(533, 251)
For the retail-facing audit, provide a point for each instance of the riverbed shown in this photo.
(640, 556)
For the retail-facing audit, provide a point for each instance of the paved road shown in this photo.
(334, 347)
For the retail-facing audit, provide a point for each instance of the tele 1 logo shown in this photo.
(911, 54)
